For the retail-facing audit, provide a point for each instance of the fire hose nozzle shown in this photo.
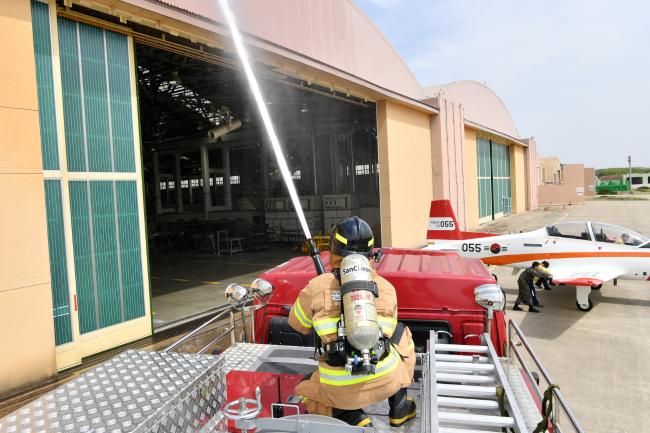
(314, 252)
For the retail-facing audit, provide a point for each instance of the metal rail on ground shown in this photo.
(513, 348)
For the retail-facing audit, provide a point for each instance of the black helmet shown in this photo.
(351, 235)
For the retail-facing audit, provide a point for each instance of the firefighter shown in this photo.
(525, 283)
(333, 390)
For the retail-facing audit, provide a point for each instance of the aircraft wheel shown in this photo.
(598, 287)
(582, 307)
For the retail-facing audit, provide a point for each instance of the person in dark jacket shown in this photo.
(526, 286)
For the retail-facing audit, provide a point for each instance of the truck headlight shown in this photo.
(262, 287)
(490, 295)
(236, 293)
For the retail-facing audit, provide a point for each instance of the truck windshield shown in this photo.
(618, 235)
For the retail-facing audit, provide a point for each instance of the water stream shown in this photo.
(264, 113)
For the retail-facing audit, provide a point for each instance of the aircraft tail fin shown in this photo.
(442, 222)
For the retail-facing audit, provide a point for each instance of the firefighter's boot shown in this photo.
(402, 408)
(355, 417)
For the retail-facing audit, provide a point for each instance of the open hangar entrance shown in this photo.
(217, 209)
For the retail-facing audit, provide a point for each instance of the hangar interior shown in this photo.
(216, 206)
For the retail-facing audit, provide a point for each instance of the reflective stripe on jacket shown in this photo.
(339, 377)
(318, 308)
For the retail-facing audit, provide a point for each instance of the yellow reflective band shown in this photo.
(326, 326)
(343, 378)
(402, 419)
(364, 422)
(388, 324)
(371, 242)
(341, 238)
(300, 315)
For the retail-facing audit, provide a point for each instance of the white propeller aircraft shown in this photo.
(585, 254)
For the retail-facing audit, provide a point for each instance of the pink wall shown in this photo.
(447, 141)
(333, 33)
(481, 105)
(590, 182)
(570, 191)
(533, 174)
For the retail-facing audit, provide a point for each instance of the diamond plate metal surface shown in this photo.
(243, 356)
(136, 391)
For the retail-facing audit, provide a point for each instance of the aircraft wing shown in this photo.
(585, 276)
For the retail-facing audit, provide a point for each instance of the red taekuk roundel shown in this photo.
(495, 248)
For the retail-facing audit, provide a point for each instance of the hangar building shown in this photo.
(127, 131)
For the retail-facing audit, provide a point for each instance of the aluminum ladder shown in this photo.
(462, 384)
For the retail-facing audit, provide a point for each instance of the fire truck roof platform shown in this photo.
(140, 391)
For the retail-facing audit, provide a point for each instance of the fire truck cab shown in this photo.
(436, 291)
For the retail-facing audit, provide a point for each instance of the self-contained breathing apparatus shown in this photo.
(360, 342)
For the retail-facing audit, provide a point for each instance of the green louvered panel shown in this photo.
(87, 299)
(501, 176)
(484, 177)
(106, 252)
(58, 263)
(97, 98)
(108, 260)
(72, 102)
(45, 85)
(130, 252)
(121, 113)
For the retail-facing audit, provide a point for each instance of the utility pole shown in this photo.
(629, 177)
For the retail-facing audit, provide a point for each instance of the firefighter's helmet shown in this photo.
(352, 235)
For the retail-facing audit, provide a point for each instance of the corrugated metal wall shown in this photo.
(58, 262)
(107, 253)
(50, 152)
(494, 181)
(96, 98)
(502, 187)
(104, 220)
(97, 109)
(484, 178)
(45, 87)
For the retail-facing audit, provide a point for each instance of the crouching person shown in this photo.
(367, 355)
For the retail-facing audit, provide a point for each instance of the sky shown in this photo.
(574, 74)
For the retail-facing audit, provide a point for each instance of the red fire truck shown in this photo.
(435, 291)
(470, 375)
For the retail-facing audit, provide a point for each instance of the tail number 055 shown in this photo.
(471, 248)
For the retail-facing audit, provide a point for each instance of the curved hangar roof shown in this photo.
(481, 105)
(334, 33)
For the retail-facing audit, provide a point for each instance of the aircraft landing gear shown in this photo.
(583, 303)
(585, 307)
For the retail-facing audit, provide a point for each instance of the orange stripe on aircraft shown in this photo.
(517, 258)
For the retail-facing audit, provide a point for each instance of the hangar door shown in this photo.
(93, 189)
(494, 183)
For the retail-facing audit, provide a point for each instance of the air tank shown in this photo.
(358, 300)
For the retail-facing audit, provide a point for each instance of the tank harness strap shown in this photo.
(318, 343)
(370, 286)
(547, 408)
(397, 334)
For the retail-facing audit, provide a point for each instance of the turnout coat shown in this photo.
(318, 308)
